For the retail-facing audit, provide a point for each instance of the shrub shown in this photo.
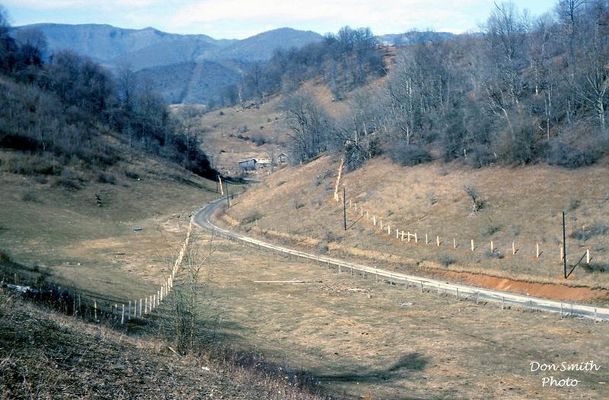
(491, 229)
(323, 248)
(494, 254)
(254, 216)
(132, 175)
(480, 156)
(596, 267)
(472, 192)
(409, 155)
(446, 259)
(587, 232)
(29, 196)
(564, 155)
(103, 177)
(259, 140)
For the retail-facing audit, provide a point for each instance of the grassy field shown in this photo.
(118, 251)
(365, 339)
(521, 205)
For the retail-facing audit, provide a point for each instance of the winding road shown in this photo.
(203, 218)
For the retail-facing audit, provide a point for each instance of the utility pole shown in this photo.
(564, 245)
(345, 207)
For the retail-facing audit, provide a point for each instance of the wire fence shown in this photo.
(465, 292)
(98, 309)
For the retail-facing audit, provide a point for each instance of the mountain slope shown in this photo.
(261, 46)
(184, 68)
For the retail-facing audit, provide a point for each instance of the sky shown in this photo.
(237, 19)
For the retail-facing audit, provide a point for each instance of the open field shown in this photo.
(359, 337)
(100, 250)
(521, 205)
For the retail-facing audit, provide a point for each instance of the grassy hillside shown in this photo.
(521, 205)
(55, 222)
(46, 355)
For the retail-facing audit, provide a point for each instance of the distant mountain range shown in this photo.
(184, 68)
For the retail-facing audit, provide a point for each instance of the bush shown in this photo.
(446, 259)
(480, 156)
(596, 267)
(253, 217)
(587, 232)
(409, 155)
(132, 175)
(29, 196)
(491, 229)
(564, 155)
(103, 177)
(494, 254)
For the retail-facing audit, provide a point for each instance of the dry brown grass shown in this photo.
(358, 337)
(96, 249)
(46, 355)
(220, 131)
(522, 204)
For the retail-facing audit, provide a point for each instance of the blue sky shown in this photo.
(241, 18)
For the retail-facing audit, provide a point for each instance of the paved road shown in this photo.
(506, 299)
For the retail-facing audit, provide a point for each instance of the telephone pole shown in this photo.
(345, 208)
(564, 245)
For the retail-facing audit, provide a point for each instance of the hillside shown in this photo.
(432, 201)
(49, 355)
(191, 82)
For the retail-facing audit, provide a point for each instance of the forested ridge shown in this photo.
(61, 105)
(524, 90)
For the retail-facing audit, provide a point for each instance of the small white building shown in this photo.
(253, 164)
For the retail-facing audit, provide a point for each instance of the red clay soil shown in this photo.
(544, 290)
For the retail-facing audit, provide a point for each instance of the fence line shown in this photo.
(381, 227)
(507, 300)
(71, 302)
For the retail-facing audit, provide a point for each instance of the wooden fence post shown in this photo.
(454, 243)
(438, 241)
(416, 238)
(426, 241)
(588, 256)
(408, 236)
(397, 233)
(402, 235)
(388, 229)
(473, 247)
(492, 247)
(514, 248)
(95, 310)
(537, 250)
(123, 315)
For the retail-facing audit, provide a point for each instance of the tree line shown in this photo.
(344, 61)
(523, 90)
(63, 104)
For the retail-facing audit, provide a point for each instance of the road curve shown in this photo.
(203, 219)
